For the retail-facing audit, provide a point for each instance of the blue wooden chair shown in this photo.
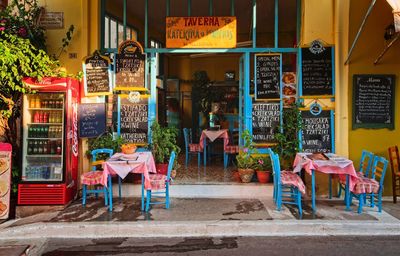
(159, 182)
(363, 169)
(190, 147)
(371, 188)
(286, 186)
(94, 177)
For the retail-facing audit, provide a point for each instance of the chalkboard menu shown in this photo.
(265, 121)
(317, 66)
(92, 119)
(129, 65)
(373, 101)
(96, 69)
(134, 120)
(268, 76)
(317, 132)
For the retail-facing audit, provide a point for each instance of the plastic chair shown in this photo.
(94, 177)
(159, 182)
(395, 166)
(363, 169)
(191, 148)
(231, 149)
(369, 188)
(286, 186)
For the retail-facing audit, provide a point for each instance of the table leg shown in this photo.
(110, 192)
(330, 186)
(204, 152)
(142, 208)
(313, 191)
(347, 192)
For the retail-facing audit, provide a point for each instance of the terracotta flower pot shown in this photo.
(263, 176)
(162, 169)
(246, 175)
(236, 176)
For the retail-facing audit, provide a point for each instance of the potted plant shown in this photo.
(163, 142)
(105, 140)
(263, 169)
(245, 161)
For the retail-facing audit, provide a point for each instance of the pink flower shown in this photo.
(245, 150)
(3, 21)
(22, 32)
(260, 161)
(2, 28)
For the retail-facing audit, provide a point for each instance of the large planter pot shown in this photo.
(263, 176)
(162, 169)
(236, 176)
(246, 175)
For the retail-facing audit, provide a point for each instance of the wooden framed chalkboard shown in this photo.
(373, 101)
(317, 132)
(268, 76)
(266, 118)
(133, 119)
(129, 66)
(97, 75)
(92, 119)
(317, 72)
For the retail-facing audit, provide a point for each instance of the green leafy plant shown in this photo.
(106, 140)
(163, 142)
(263, 163)
(244, 159)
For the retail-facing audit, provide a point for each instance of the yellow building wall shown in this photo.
(368, 48)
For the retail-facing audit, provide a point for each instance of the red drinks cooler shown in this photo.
(50, 142)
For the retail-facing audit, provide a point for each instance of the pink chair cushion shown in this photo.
(290, 178)
(195, 148)
(232, 149)
(92, 178)
(158, 181)
(366, 185)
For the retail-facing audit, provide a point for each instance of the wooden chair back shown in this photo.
(379, 167)
(394, 160)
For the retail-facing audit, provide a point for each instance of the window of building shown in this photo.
(156, 44)
(114, 33)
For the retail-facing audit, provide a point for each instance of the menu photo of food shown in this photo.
(289, 89)
(5, 174)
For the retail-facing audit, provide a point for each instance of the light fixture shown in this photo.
(389, 32)
(395, 4)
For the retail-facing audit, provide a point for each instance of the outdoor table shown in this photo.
(122, 164)
(338, 165)
(212, 136)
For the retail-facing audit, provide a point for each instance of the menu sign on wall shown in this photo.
(268, 76)
(316, 71)
(201, 32)
(266, 118)
(92, 119)
(373, 101)
(97, 72)
(5, 179)
(317, 132)
(129, 65)
(134, 120)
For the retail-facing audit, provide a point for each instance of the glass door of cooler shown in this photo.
(43, 137)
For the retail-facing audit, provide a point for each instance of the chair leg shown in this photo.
(148, 198)
(372, 200)
(380, 202)
(187, 158)
(84, 195)
(105, 192)
(340, 191)
(167, 196)
(225, 160)
(330, 186)
(394, 183)
(142, 206)
(119, 187)
(278, 199)
(360, 202)
(198, 159)
(299, 203)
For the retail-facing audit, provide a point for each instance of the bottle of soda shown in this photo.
(32, 102)
(40, 148)
(45, 147)
(52, 147)
(30, 148)
(51, 103)
(58, 150)
(35, 147)
(46, 131)
(37, 102)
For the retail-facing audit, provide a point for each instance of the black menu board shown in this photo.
(266, 118)
(129, 65)
(96, 69)
(317, 132)
(134, 120)
(92, 119)
(268, 76)
(373, 101)
(316, 71)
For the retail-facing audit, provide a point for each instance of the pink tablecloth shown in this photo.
(335, 165)
(143, 164)
(213, 135)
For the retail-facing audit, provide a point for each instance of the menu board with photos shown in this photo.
(266, 117)
(373, 101)
(5, 179)
(268, 76)
(317, 132)
(96, 70)
(134, 120)
(316, 70)
(129, 65)
(92, 119)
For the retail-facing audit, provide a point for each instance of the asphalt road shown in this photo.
(321, 246)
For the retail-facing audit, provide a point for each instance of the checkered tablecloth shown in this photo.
(290, 178)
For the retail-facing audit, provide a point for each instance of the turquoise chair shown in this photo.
(285, 193)
(159, 182)
(378, 172)
(190, 147)
(88, 179)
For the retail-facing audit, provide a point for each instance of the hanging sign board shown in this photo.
(97, 75)
(317, 70)
(201, 32)
(316, 135)
(92, 119)
(373, 101)
(268, 76)
(5, 179)
(133, 118)
(129, 66)
(52, 20)
(265, 121)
